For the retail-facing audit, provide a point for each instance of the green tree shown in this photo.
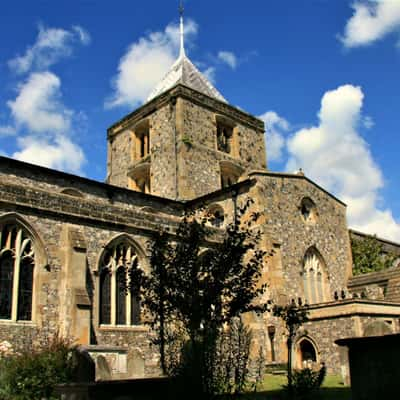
(369, 256)
(200, 280)
(294, 316)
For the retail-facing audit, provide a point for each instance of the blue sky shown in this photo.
(323, 74)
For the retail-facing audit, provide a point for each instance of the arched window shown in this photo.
(308, 210)
(17, 262)
(215, 215)
(315, 282)
(230, 173)
(118, 304)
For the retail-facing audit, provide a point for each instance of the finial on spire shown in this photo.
(182, 48)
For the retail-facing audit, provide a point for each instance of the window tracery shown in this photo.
(314, 277)
(118, 304)
(17, 262)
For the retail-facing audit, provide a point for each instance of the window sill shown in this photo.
(130, 328)
(17, 323)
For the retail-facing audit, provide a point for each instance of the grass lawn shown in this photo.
(272, 389)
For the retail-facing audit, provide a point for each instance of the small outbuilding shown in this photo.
(374, 366)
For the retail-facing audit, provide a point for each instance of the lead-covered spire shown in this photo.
(184, 72)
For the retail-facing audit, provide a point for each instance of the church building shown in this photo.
(67, 241)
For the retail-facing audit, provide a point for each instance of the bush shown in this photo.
(305, 380)
(32, 373)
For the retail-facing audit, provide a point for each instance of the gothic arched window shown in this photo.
(17, 262)
(315, 281)
(118, 304)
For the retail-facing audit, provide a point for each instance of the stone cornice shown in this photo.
(193, 96)
(353, 307)
(10, 167)
(57, 205)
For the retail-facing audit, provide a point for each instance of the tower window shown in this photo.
(141, 140)
(140, 178)
(144, 145)
(17, 262)
(224, 138)
(230, 173)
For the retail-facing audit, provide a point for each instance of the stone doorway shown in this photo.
(306, 354)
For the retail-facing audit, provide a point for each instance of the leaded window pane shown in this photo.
(25, 290)
(121, 297)
(135, 310)
(105, 297)
(6, 284)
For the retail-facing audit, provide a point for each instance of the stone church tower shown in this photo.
(186, 140)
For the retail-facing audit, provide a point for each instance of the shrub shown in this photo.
(32, 373)
(306, 380)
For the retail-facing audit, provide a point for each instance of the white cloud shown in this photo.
(145, 63)
(58, 152)
(335, 155)
(48, 124)
(43, 126)
(368, 122)
(83, 34)
(371, 21)
(275, 126)
(7, 130)
(52, 44)
(228, 58)
(210, 73)
(37, 105)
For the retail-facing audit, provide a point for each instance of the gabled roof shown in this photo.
(183, 71)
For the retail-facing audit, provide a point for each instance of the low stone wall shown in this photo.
(135, 389)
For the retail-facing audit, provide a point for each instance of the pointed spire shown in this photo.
(182, 48)
(184, 72)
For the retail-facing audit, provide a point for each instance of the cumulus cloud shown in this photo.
(275, 127)
(334, 154)
(145, 63)
(39, 112)
(37, 105)
(57, 152)
(43, 126)
(51, 45)
(228, 58)
(371, 21)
